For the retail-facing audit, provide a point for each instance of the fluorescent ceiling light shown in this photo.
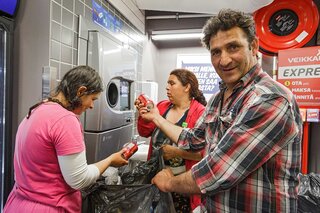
(176, 36)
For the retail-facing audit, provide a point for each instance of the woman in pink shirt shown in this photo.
(50, 162)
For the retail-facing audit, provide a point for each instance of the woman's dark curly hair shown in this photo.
(187, 77)
(71, 82)
(74, 79)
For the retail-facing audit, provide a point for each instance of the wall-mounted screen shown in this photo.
(124, 95)
(8, 7)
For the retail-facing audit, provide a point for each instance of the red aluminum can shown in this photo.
(146, 101)
(129, 149)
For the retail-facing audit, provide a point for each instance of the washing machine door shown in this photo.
(112, 109)
(112, 94)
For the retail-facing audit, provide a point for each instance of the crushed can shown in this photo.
(145, 100)
(129, 149)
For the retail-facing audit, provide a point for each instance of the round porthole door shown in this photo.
(112, 94)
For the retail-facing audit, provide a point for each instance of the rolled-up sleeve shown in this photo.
(193, 139)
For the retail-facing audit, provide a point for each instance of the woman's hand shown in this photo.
(170, 152)
(138, 104)
(117, 159)
(141, 108)
(149, 114)
(146, 113)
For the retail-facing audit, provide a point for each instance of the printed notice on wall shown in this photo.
(200, 65)
(299, 70)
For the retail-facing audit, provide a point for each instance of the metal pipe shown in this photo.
(177, 16)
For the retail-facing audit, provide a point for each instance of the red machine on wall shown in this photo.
(285, 25)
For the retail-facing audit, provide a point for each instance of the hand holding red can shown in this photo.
(145, 100)
(129, 149)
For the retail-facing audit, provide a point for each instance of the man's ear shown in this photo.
(81, 91)
(255, 46)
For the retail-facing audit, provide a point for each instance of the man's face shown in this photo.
(231, 55)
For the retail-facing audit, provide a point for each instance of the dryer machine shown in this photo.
(110, 124)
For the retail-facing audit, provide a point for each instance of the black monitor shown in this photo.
(9, 7)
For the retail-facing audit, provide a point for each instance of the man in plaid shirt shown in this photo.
(251, 130)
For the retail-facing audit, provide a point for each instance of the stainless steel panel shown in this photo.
(113, 62)
(108, 126)
(101, 145)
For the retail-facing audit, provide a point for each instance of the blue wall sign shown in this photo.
(105, 19)
(207, 77)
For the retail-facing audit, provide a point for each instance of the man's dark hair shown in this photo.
(226, 20)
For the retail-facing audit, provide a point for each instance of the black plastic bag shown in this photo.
(133, 198)
(142, 172)
(309, 193)
(103, 198)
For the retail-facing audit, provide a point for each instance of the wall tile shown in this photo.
(55, 50)
(56, 12)
(66, 36)
(58, 1)
(89, 3)
(55, 31)
(64, 68)
(67, 19)
(64, 32)
(87, 12)
(66, 54)
(68, 4)
(56, 65)
(79, 8)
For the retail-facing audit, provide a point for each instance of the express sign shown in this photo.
(299, 70)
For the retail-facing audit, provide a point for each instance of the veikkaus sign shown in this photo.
(299, 70)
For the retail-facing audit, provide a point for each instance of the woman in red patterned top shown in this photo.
(185, 105)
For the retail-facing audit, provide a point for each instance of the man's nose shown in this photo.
(225, 59)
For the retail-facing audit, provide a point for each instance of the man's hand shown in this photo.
(162, 180)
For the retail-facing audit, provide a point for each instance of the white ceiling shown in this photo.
(201, 6)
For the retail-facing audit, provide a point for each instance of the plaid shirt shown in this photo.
(253, 148)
